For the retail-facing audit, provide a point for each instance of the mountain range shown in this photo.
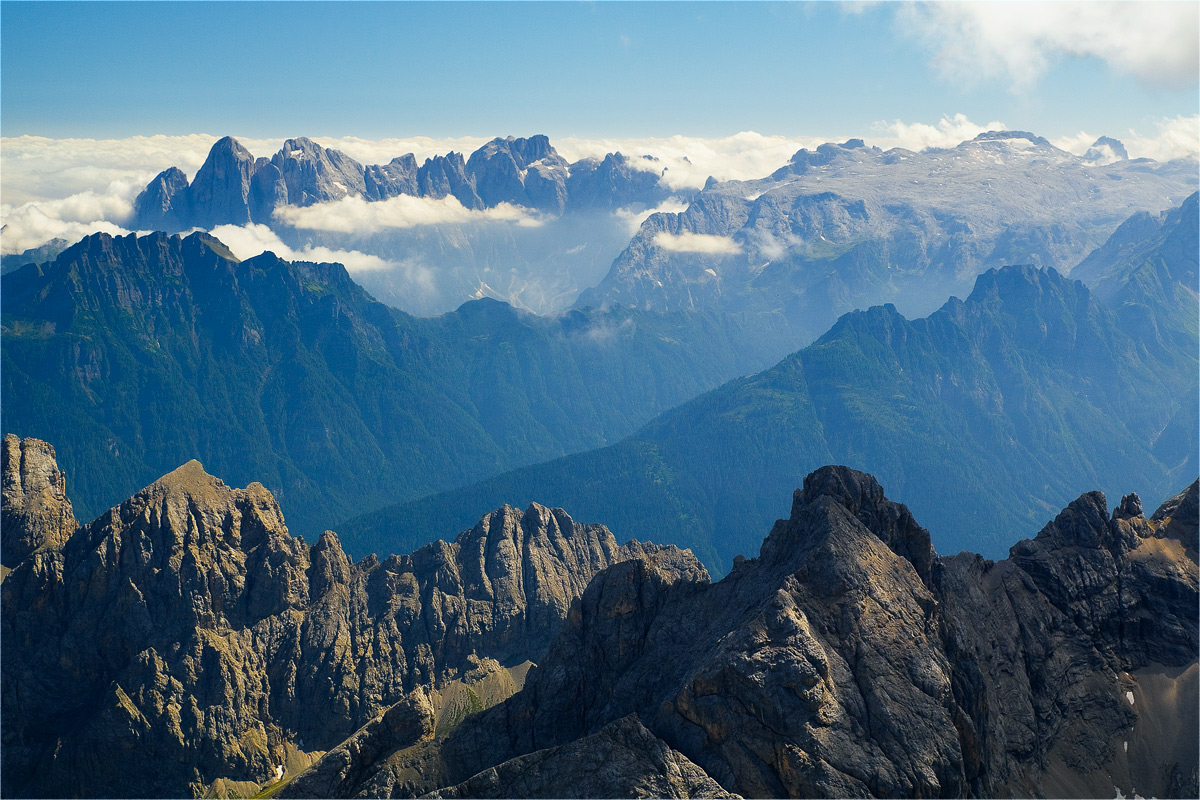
(841, 227)
(185, 637)
(233, 187)
(140, 353)
(1010, 401)
(848, 225)
(184, 643)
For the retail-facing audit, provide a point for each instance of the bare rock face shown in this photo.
(185, 636)
(622, 759)
(36, 513)
(220, 192)
(850, 660)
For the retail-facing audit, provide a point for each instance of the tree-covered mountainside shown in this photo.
(137, 354)
(984, 417)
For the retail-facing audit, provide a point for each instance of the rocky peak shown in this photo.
(188, 632)
(219, 194)
(861, 495)
(1011, 136)
(1106, 150)
(314, 174)
(524, 172)
(446, 175)
(36, 511)
(844, 676)
(162, 205)
(397, 177)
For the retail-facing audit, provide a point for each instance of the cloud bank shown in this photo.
(701, 243)
(948, 132)
(71, 187)
(1156, 42)
(355, 215)
(245, 241)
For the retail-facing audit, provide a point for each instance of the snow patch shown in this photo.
(1129, 697)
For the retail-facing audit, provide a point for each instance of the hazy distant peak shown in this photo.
(996, 136)
(1106, 150)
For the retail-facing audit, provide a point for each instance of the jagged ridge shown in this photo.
(186, 636)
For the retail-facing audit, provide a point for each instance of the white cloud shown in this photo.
(1157, 42)
(633, 219)
(245, 241)
(34, 223)
(1176, 137)
(355, 215)
(948, 132)
(696, 243)
(690, 160)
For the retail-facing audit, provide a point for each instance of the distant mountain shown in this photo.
(35, 255)
(847, 226)
(984, 416)
(137, 354)
(185, 642)
(234, 188)
(569, 235)
(848, 659)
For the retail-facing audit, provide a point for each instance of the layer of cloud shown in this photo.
(1157, 42)
(1174, 137)
(32, 224)
(701, 243)
(355, 215)
(633, 219)
(690, 160)
(245, 241)
(948, 132)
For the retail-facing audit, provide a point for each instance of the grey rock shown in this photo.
(186, 636)
(441, 176)
(847, 226)
(36, 511)
(397, 177)
(523, 172)
(615, 182)
(849, 660)
(220, 192)
(622, 759)
(164, 204)
(315, 174)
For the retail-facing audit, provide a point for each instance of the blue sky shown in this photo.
(110, 70)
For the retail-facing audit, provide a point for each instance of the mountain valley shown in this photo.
(1012, 401)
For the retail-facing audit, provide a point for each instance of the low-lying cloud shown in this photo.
(1157, 42)
(33, 223)
(948, 132)
(246, 241)
(71, 187)
(700, 243)
(1176, 137)
(356, 215)
(690, 160)
(633, 219)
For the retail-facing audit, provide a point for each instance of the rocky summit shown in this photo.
(185, 642)
(850, 660)
(234, 188)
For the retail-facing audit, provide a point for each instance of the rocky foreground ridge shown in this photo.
(847, 660)
(185, 640)
(185, 643)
